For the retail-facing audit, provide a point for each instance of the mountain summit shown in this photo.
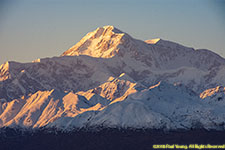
(103, 42)
(110, 79)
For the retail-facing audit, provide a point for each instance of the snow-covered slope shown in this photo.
(143, 62)
(164, 106)
(110, 79)
(103, 42)
(44, 107)
(154, 60)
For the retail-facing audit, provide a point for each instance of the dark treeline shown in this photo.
(104, 139)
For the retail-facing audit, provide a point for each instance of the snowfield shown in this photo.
(110, 79)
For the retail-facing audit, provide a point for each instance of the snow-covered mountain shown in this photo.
(164, 106)
(111, 79)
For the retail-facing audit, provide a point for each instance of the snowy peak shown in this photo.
(111, 28)
(108, 41)
(101, 43)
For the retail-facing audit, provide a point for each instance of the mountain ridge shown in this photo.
(112, 79)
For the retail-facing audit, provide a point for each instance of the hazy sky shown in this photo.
(31, 29)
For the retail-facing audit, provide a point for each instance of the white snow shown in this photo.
(111, 79)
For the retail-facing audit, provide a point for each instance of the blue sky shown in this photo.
(31, 29)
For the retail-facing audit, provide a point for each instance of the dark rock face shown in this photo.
(107, 139)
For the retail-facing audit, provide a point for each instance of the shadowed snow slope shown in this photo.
(112, 79)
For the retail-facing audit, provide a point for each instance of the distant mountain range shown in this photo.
(109, 79)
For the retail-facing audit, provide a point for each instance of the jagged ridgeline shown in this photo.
(112, 80)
